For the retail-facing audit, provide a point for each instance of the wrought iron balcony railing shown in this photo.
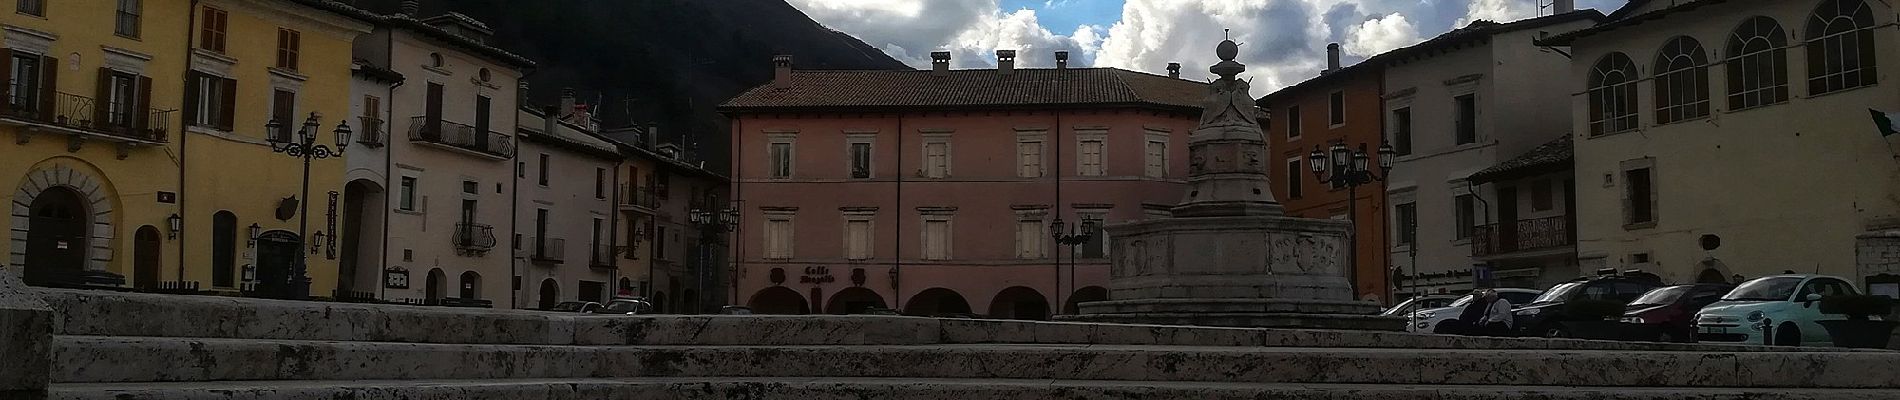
(639, 197)
(461, 136)
(474, 237)
(550, 250)
(83, 113)
(602, 256)
(371, 132)
(1523, 235)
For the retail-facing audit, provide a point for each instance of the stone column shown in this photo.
(26, 338)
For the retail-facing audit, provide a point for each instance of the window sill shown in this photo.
(1461, 242)
(1841, 90)
(1609, 134)
(409, 212)
(40, 16)
(1754, 107)
(134, 38)
(1683, 121)
(1639, 226)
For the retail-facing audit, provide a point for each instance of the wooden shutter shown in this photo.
(141, 117)
(102, 104)
(6, 91)
(227, 114)
(49, 79)
(192, 95)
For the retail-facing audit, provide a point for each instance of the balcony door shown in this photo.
(432, 111)
(1507, 220)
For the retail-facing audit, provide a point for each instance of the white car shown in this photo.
(1779, 310)
(1416, 303)
(1424, 321)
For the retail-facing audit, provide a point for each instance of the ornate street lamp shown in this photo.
(304, 146)
(1071, 237)
(174, 224)
(255, 232)
(721, 221)
(1350, 169)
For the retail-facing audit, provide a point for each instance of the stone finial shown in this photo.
(1227, 67)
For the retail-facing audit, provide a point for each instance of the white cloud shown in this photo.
(1379, 35)
(1496, 11)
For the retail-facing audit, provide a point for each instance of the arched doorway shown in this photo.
(361, 255)
(277, 255)
(937, 302)
(1019, 302)
(626, 288)
(691, 302)
(778, 300)
(659, 302)
(1084, 295)
(58, 234)
(146, 256)
(435, 286)
(224, 243)
(550, 293)
(853, 301)
(471, 286)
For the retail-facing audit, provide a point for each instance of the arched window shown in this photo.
(1840, 47)
(224, 230)
(1682, 81)
(483, 74)
(1757, 64)
(1613, 95)
(435, 60)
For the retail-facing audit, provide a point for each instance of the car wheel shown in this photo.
(1787, 335)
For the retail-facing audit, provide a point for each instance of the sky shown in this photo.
(1282, 42)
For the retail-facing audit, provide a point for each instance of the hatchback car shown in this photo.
(1545, 315)
(1417, 303)
(1427, 320)
(1780, 310)
(1669, 312)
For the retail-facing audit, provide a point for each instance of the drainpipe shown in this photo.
(389, 156)
(190, 28)
(897, 257)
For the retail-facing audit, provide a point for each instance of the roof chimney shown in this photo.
(1174, 70)
(940, 63)
(653, 136)
(1005, 61)
(567, 103)
(1062, 60)
(782, 69)
(552, 113)
(1332, 57)
(1563, 6)
(411, 8)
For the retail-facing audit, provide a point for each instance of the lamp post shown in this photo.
(1071, 237)
(713, 221)
(1349, 168)
(304, 145)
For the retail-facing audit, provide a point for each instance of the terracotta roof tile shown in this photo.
(971, 88)
(1553, 154)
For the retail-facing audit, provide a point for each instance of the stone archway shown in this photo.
(937, 302)
(550, 293)
(778, 300)
(82, 209)
(360, 261)
(435, 286)
(1019, 302)
(1084, 295)
(471, 286)
(853, 300)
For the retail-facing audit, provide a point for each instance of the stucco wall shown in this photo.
(1363, 114)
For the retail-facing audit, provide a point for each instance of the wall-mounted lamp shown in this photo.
(176, 224)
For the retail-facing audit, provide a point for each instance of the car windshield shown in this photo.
(1557, 294)
(1765, 289)
(1402, 307)
(623, 307)
(1461, 301)
(1663, 295)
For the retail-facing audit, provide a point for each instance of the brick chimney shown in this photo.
(553, 113)
(782, 69)
(1062, 60)
(940, 63)
(1563, 6)
(567, 103)
(1005, 61)
(653, 136)
(1332, 58)
(1174, 70)
(411, 8)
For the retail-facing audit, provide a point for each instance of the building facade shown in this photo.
(1716, 139)
(934, 192)
(1342, 105)
(451, 181)
(564, 237)
(1464, 102)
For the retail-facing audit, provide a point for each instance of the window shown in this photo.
(435, 60)
(662, 184)
(541, 174)
(128, 19)
(224, 242)
(1464, 209)
(1293, 122)
(778, 237)
(1407, 215)
(468, 211)
(289, 44)
(781, 160)
(372, 124)
(25, 82)
(937, 159)
(1097, 237)
(1757, 64)
(1639, 197)
(1541, 195)
(1090, 158)
(432, 112)
(31, 7)
(482, 106)
(541, 241)
(470, 187)
(1840, 47)
(1156, 157)
(407, 201)
(936, 237)
(1824, 287)
(1030, 239)
(1682, 81)
(284, 111)
(1295, 173)
(1336, 110)
(484, 75)
(211, 100)
(120, 97)
(211, 34)
(1612, 95)
(857, 237)
(1467, 118)
(659, 246)
(860, 160)
(1402, 130)
(1029, 159)
(600, 183)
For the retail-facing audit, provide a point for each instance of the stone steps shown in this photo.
(773, 388)
(83, 359)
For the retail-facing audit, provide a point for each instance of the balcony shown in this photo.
(550, 250)
(462, 137)
(639, 199)
(602, 257)
(1525, 236)
(474, 239)
(77, 114)
(371, 132)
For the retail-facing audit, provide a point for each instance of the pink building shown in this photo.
(933, 192)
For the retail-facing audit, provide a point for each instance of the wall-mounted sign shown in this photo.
(167, 197)
(396, 278)
(817, 275)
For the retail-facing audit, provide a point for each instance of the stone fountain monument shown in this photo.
(1230, 256)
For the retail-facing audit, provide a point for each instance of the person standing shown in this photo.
(1497, 318)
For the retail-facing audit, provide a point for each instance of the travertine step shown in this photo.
(146, 359)
(895, 389)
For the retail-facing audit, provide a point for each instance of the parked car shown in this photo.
(1669, 311)
(1779, 310)
(627, 306)
(1425, 321)
(1417, 303)
(575, 307)
(1545, 315)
